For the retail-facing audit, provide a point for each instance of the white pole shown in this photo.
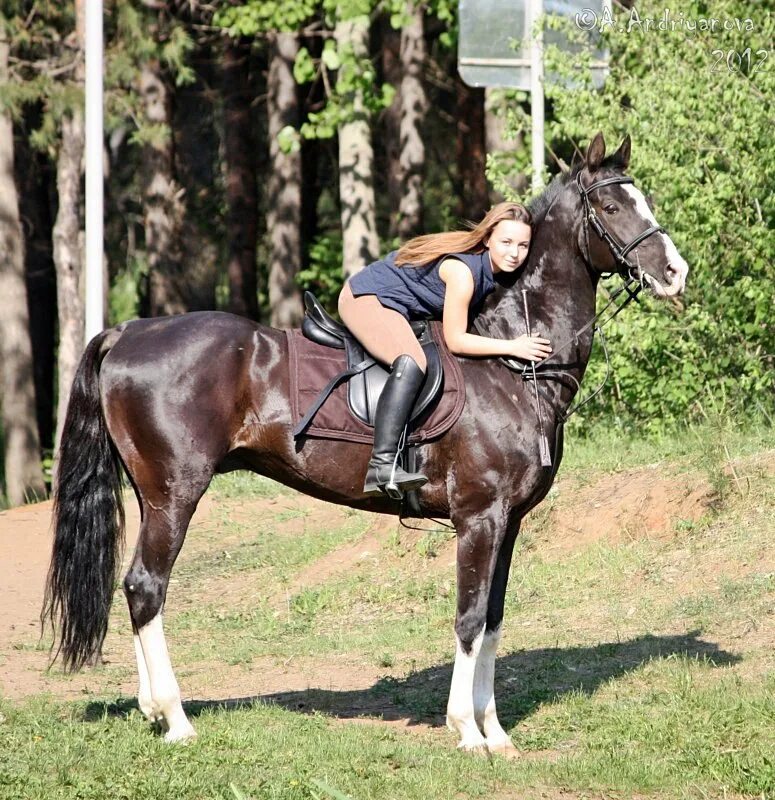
(536, 93)
(94, 176)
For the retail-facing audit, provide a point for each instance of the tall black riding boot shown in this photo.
(395, 404)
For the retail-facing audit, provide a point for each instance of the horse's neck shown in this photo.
(560, 295)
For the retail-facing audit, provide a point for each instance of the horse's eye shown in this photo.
(610, 209)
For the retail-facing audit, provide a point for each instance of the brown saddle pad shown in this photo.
(313, 365)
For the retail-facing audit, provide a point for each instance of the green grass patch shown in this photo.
(642, 668)
(246, 485)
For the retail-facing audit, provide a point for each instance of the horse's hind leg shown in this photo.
(484, 677)
(162, 532)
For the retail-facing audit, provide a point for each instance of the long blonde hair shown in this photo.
(424, 249)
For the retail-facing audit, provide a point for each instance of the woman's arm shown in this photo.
(460, 289)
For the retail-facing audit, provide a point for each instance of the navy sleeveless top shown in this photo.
(418, 292)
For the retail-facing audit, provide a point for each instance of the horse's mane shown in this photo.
(539, 206)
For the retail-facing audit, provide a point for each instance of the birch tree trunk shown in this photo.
(68, 258)
(163, 200)
(414, 105)
(23, 470)
(68, 244)
(284, 213)
(356, 162)
(241, 190)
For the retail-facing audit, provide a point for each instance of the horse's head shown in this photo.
(620, 233)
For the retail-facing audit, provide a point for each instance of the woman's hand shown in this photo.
(530, 348)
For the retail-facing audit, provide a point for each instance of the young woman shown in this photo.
(437, 276)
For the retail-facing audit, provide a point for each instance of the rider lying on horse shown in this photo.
(438, 276)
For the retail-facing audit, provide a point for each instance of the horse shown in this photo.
(173, 401)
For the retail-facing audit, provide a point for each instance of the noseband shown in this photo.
(618, 250)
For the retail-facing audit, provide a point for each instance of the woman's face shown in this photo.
(508, 244)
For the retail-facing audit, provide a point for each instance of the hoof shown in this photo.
(505, 749)
(480, 750)
(149, 709)
(182, 736)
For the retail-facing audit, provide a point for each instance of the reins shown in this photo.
(633, 284)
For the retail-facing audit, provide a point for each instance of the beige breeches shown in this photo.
(384, 332)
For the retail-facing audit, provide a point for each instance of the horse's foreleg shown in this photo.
(477, 551)
(484, 678)
(460, 706)
(145, 585)
(144, 680)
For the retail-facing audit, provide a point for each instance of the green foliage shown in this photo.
(702, 146)
(349, 78)
(261, 16)
(323, 273)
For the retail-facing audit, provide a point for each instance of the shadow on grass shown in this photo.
(523, 681)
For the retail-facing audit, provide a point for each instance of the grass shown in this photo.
(639, 669)
(707, 445)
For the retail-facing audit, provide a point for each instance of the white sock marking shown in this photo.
(165, 693)
(460, 707)
(484, 693)
(144, 681)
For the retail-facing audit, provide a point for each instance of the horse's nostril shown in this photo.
(670, 272)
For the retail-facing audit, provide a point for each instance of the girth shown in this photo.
(366, 375)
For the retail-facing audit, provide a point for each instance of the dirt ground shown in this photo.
(637, 503)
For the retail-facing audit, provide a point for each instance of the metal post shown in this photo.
(94, 174)
(535, 10)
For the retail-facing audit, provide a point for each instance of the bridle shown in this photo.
(631, 273)
(633, 278)
(618, 250)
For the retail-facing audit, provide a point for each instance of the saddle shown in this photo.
(325, 355)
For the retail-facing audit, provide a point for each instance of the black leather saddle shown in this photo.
(366, 375)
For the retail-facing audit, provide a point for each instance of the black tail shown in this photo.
(88, 519)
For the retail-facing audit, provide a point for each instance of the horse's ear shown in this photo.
(622, 156)
(596, 152)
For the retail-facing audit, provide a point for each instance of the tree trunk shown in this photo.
(68, 258)
(314, 153)
(414, 104)
(197, 146)
(163, 201)
(241, 190)
(35, 179)
(391, 120)
(504, 151)
(284, 214)
(360, 242)
(23, 470)
(471, 153)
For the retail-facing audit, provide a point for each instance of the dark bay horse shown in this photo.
(174, 400)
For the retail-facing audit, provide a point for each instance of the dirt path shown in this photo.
(642, 502)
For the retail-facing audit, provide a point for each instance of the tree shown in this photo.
(360, 242)
(390, 119)
(162, 197)
(241, 188)
(284, 213)
(413, 108)
(473, 198)
(68, 237)
(23, 471)
(702, 149)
